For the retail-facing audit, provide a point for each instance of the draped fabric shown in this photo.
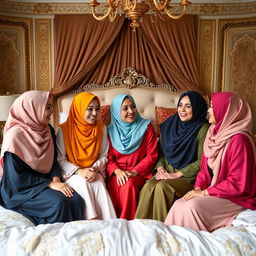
(179, 138)
(89, 51)
(125, 137)
(82, 140)
(25, 133)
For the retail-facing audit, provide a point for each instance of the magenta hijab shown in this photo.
(233, 115)
(25, 134)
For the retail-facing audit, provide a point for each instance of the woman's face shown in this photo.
(92, 111)
(48, 111)
(211, 117)
(185, 109)
(128, 111)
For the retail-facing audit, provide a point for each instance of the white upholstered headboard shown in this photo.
(146, 94)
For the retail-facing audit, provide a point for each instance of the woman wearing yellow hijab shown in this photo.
(82, 154)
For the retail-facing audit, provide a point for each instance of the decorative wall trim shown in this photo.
(24, 24)
(207, 33)
(80, 8)
(43, 54)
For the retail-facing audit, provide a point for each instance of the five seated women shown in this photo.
(129, 152)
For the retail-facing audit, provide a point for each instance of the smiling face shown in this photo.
(185, 109)
(48, 111)
(92, 111)
(212, 119)
(128, 111)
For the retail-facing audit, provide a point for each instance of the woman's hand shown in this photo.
(132, 173)
(64, 188)
(121, 177)
(195, 193)
(168, 176)
(90, 174)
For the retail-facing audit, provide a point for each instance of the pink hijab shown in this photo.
(233, 115)
(26, 135)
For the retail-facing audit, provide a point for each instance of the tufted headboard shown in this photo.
(147, 95)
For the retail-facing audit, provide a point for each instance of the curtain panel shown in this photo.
(89, 51)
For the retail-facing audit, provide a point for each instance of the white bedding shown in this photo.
(18, 236)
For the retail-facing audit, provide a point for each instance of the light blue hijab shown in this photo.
(125, 137)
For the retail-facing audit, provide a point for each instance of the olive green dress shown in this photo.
(157, 197)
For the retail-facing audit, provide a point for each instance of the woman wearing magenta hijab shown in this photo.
(225, 185)
(131, 157)
(30, 172)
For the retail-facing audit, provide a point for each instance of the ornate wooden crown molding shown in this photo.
(80, 8)
(128, 79)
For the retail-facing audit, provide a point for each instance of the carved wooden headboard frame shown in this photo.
(130, 78)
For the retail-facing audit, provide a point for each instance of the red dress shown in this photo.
(142, 160)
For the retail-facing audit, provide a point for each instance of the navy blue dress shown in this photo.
(26, 191)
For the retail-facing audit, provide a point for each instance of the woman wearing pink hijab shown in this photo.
(225, 185)
(29, 169)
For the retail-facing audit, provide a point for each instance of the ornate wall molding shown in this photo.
(43, 54)
(24, 27)
(77, 8)
(207, 33)
(224, 26)
(237, 54)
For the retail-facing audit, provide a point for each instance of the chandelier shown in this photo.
(135, 9)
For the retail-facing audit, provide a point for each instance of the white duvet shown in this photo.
(18, 237)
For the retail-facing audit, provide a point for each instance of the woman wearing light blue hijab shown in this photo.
(132, 155)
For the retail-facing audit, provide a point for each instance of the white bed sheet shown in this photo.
(18, 236)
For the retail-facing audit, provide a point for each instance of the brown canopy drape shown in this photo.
(89, 51)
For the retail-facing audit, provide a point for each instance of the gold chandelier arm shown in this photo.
(100, 18)
(174, 16)
(130, 6)
(160, 7)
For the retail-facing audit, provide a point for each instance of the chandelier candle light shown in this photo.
(135, 9)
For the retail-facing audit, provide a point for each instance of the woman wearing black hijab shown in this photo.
(180, 150)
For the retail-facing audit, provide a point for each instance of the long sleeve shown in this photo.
(142, 160)
(67, 167)
(191, 170)
(203, 179)
(103, 157)
(145, 166)
(161, 159)
(238, 172)
(19, 182)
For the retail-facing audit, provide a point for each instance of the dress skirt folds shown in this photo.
(26, 191)
(203, 213)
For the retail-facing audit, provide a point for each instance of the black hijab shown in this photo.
(179, 139)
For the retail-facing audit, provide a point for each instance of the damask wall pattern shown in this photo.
(238, 55)
(15, 54)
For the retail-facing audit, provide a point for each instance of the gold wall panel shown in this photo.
(206, 49)
(237, 55)
(15, 54)
(43, 54)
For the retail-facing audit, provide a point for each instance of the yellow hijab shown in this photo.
(82, 140)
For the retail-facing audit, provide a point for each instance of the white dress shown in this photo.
(98, 203)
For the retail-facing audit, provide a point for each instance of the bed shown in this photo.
(18, 236)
